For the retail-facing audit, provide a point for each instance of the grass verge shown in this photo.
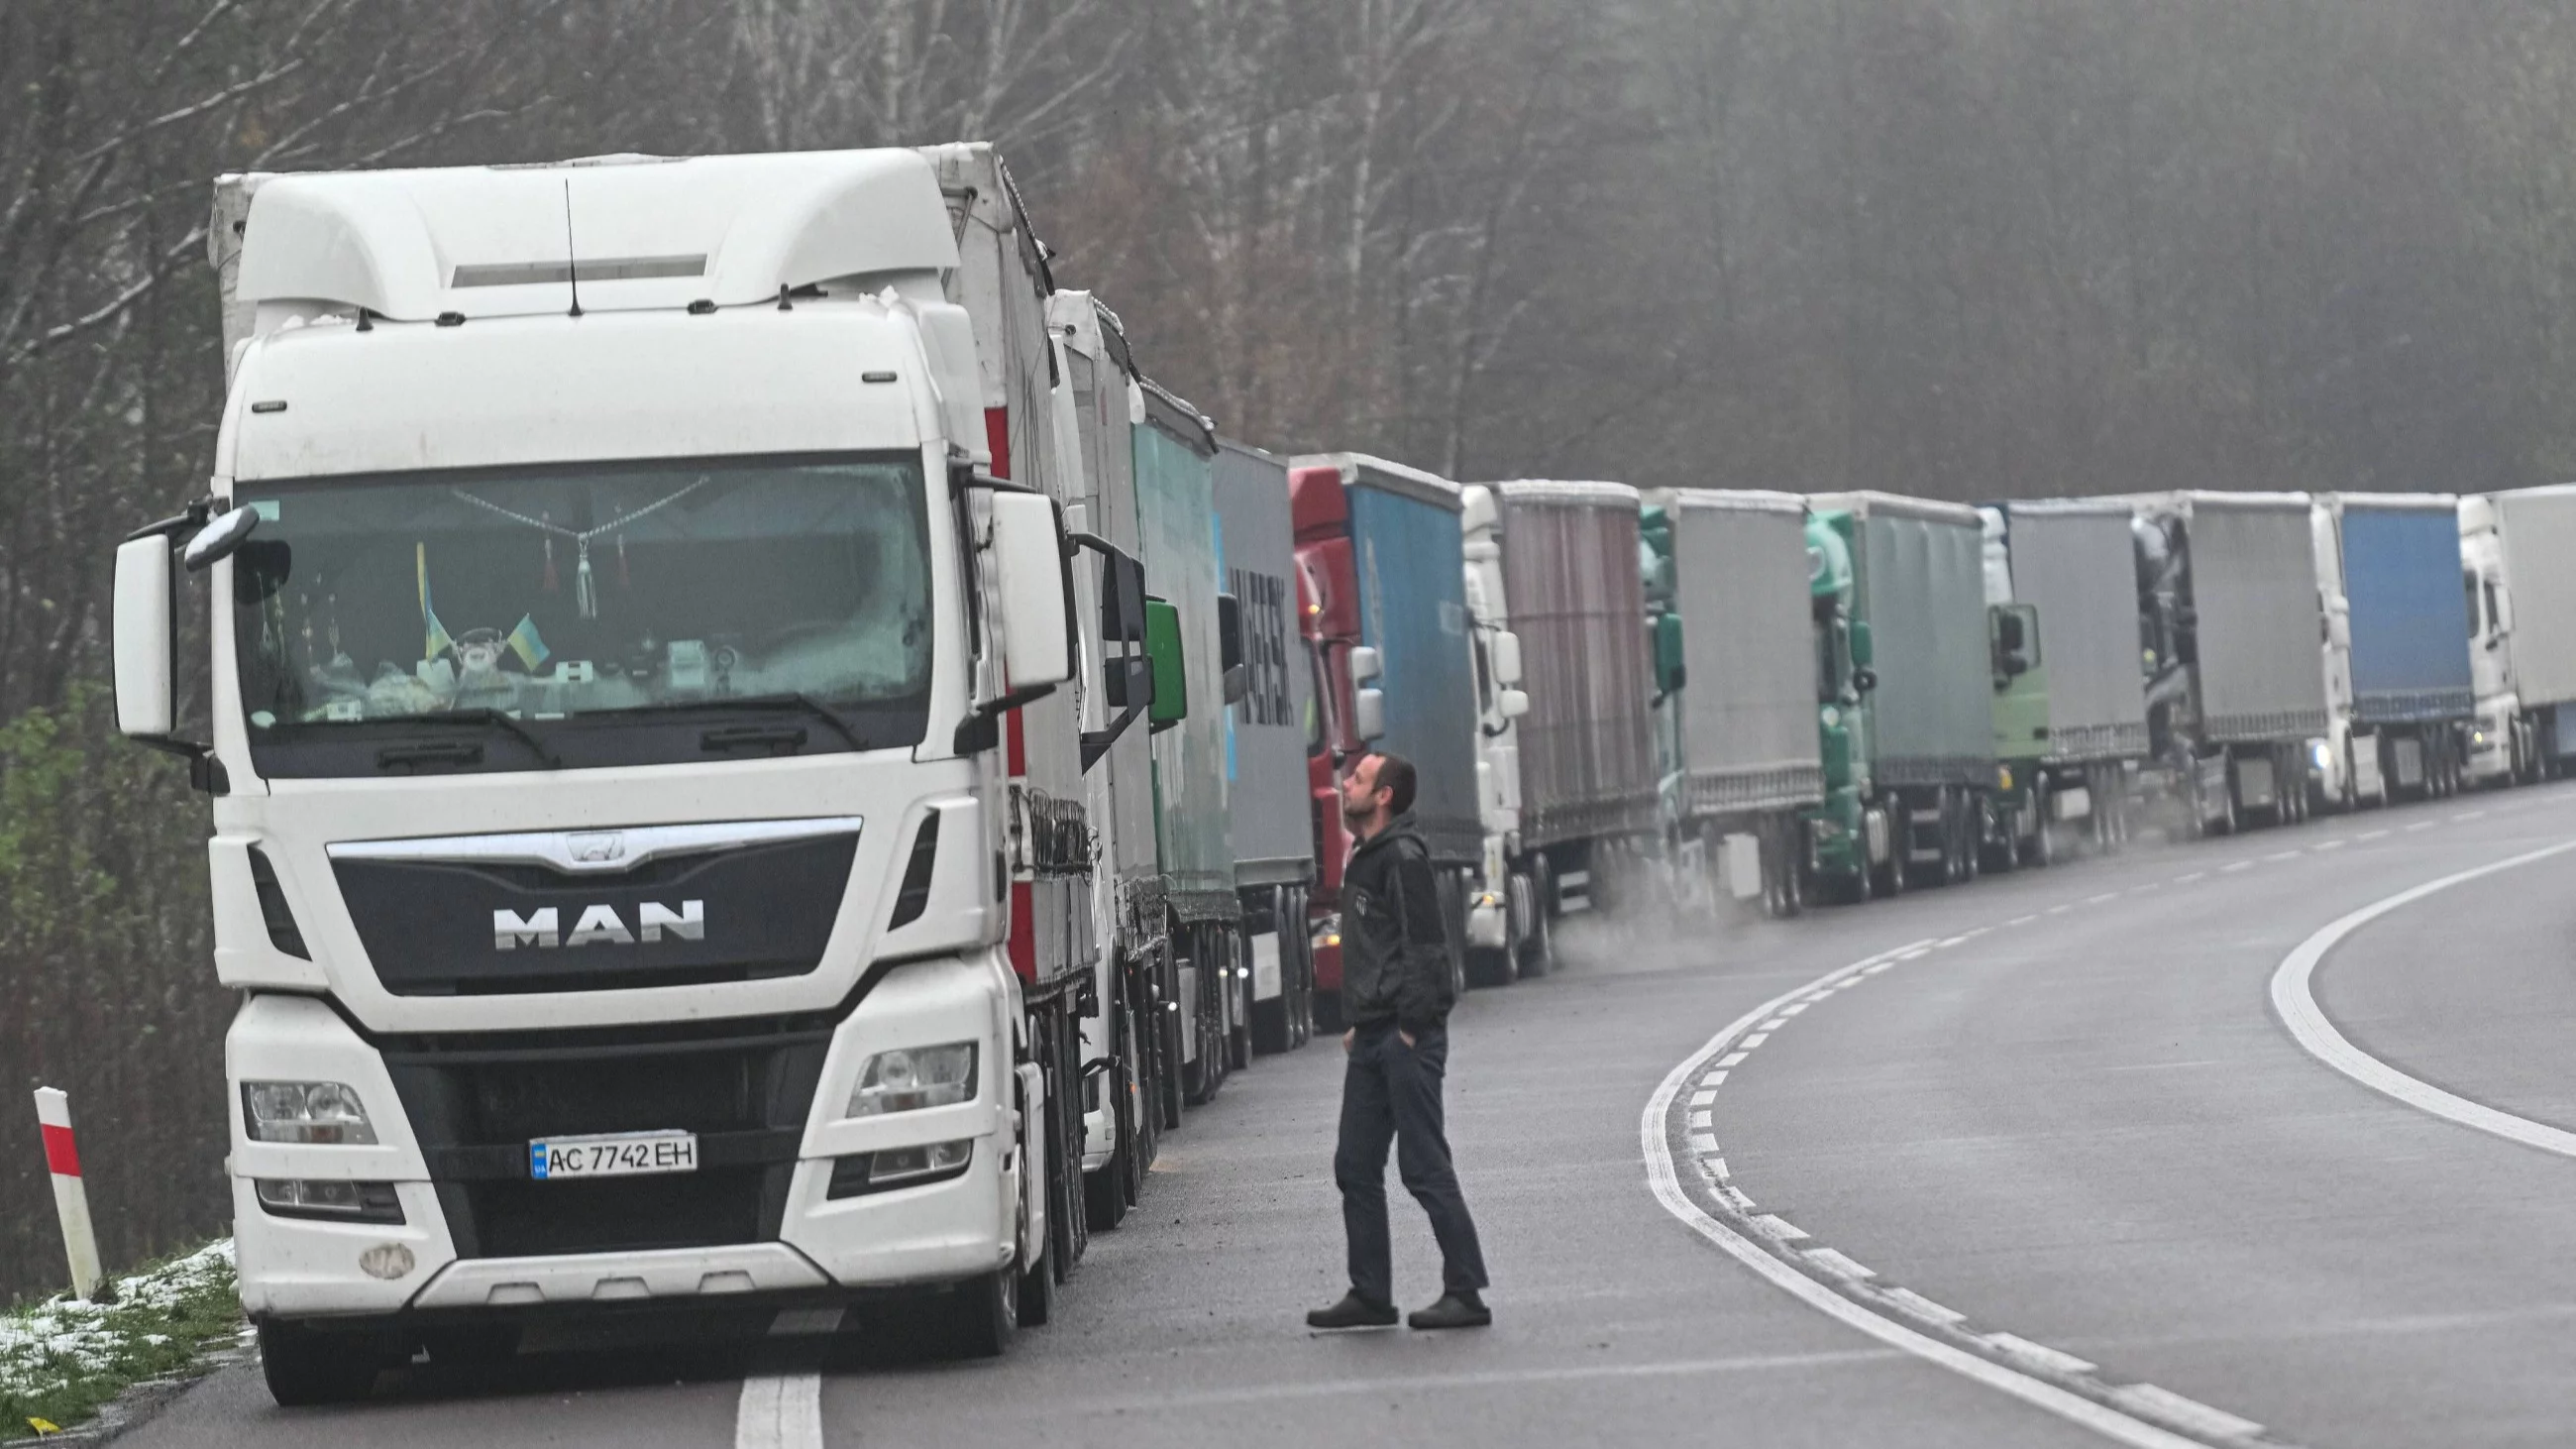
(61, 1359)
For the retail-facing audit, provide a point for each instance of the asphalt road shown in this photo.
(2056, 1107)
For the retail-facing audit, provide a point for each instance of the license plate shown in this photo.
(612, 1154)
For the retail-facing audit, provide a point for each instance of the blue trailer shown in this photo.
(2410, 628)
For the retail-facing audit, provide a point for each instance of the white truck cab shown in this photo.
(613, 621)
(1503, 913)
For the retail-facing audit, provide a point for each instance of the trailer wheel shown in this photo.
(1889, 881)
(2042, 849)
(1788, 831)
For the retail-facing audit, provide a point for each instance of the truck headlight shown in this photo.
(908, 1079)
(314, 1112)
(2322, 756)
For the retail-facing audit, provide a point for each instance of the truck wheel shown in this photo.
(1890, 881)
(2041, 850)
(305, 1367)
(1036, 1290)
(982, 1315)
(1538, 948)
(1793, 867)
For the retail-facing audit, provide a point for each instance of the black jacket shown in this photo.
(1395, 947)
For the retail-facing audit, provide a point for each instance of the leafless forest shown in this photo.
(1954, 247)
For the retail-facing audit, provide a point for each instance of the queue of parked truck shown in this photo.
(760, 762)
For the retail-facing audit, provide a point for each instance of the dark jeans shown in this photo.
(1391, 1094)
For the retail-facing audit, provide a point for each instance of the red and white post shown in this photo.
(71, 1199)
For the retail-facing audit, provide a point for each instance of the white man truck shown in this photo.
(2514, 547)
(645, 741)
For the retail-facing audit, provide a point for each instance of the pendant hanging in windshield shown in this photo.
(585, 590)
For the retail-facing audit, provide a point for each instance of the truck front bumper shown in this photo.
(808, 1244)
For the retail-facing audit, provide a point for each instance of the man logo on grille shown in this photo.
(542, 927)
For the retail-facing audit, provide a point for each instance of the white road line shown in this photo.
(2470, 815)
(2294, 997)
(1838, 1264)
(2238, 865)
(1700, 1119)
(1731, 1058)
(2059, 910)
(2419, 825)
(1881, 966)
(1703, 1097)
(1716, 1168)
(1661, 1177)
(2284, 855)
(1793, 1008)
(2337, 844)
(780, 1411)
(1917, 954)
(2039, 1353)
(2188, 879)
(2153, 885)
(2371, 834)
(1755, 1040)
(2217, 1423)
(2021, 920)
(1777, 1022)
(1713, 1079)
(1703, 1144)
(1948, 941)
(2105, 896)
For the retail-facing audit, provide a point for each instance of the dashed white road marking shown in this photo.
(1881, 966)
(2040, 1353)
(1704, 1144)
(1838, 1264)
(2059, 910)
(780, 1411)
(2294, 997)
(1779, 1227)
(1755, 1040)
(2372, 834)
(1917, 954)
(2470, 815)
(2188, 879)
(2237, 865)
(1731, 1058)
(1701, 1119)
(1922, 1307)
(2105, 896)
(2337, 843)
(1714, 1079)
(2285, 855)
(1703, 1097)
(1665, 1181)
(2021, 920)
(1716, 1167)
(1793, 1008)
(2419, 825)
(2217, 1423)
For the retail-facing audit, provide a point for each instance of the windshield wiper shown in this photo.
(795, 700)
(486, 715)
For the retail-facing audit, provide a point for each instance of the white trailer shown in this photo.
(651, 841)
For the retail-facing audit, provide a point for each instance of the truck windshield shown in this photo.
(611, 610)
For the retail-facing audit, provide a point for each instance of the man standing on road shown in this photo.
(1396, 995)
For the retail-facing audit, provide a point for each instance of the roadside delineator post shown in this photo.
(71, 1199)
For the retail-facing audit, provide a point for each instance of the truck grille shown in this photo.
(745, 1087)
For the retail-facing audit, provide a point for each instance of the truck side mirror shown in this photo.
(1863, 681)
(1127, 672)
(1509, 703)
(1364, 664)
(1507, 658)
(1672, 670)
(1229, 633)
(1368, 706)
(1036, 589)
(146, 631)
(1861, 657)
(1171, 702)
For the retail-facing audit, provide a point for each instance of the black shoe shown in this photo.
(1454, 1310)
(1353, 1312)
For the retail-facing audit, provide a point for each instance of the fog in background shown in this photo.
(1963, 248)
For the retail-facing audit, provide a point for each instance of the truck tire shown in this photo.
(1036, 1290)
(1538, 950)
(2041, 851)
(981, 1315)
(1889, 879)
(1790, 836)
(306, 1367)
